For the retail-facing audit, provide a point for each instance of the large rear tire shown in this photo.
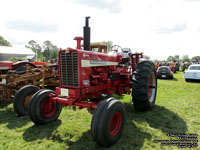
(108, 122)
(42, 110)
(144, 86)
(22, 98)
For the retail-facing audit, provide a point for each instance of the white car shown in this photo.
(193, 73)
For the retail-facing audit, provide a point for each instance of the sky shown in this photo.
(158, 28)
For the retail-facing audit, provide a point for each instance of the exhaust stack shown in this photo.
(86, 34)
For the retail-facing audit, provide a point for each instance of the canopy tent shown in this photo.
(14, 52)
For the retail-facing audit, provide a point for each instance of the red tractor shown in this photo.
(87, 79)
(172, 66)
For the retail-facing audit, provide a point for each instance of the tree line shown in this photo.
(184, 58)
(49, 51)
(4, 42)
(45, 52)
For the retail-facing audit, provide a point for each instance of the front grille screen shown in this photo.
(69, 68)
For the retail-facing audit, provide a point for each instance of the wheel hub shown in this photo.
(115, 123)
(48, 108)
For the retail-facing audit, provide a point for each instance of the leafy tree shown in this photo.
(36, 48)
(170, 58)
(185, 58)
(54, 52)
(110, 43)
(4, 42)
(47, 46)
(50, 50)
(15, 59)
(46, 51)
(196, 58)
(176, 58)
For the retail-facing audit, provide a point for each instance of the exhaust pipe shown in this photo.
(86, 34)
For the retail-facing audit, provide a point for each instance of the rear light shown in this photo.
(157, 72)
(170, 73)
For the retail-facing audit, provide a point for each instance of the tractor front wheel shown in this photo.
(144, 86)
(42, 110)
(108, 122)
(22, 98)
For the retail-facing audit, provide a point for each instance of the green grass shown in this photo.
(177, 110)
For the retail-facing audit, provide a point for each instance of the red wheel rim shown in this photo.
(150, 89)
(115, 123)
(48, 108)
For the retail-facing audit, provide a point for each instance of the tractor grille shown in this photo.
(69, 69)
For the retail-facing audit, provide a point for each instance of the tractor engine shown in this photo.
(85, 74)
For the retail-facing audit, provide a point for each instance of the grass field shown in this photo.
(177, 110)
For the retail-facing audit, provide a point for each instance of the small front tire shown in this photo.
(108, 122)
(42, 110)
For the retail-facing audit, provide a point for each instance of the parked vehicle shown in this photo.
(172, 66)
(193, 73)
(164, 72)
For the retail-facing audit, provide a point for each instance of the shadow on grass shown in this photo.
(4, 104)
(133, 137)
(40, 132)
(129, 140)
(174, 79)
(159, 118)
(7, 115)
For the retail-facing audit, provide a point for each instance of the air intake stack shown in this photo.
(86, 34)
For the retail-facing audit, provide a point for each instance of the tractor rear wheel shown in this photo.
(144, 86)
(22, 98)
(42, 110)
(108, 122)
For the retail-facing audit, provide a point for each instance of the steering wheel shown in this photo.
(116, 48)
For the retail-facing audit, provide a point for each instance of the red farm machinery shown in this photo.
(87, 80)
